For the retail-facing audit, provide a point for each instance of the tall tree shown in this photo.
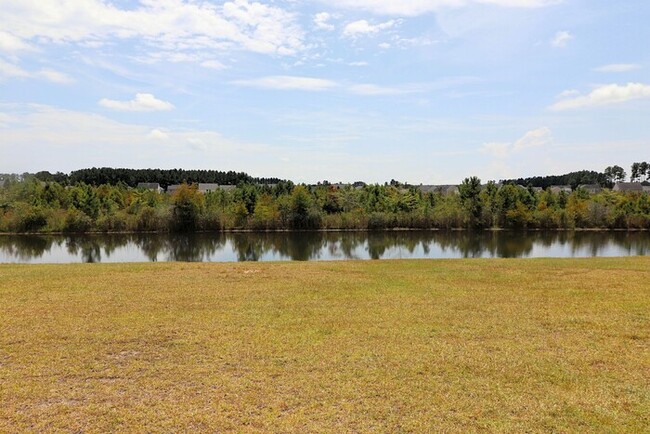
(644, 170)
(188, 203)
(635, 172)
(470, 190)
(615, 173)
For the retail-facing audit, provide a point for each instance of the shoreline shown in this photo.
(328, 230)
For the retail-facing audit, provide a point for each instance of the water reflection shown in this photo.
(306, 246)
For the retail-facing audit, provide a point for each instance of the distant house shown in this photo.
(557, 189)
(496, 184)
(227, 187)
(591, 188)
(426, 188)
(527, 189)
(646, 188)
(171, 189)
(628, 187)
(450, 189)
(204, 188)
(442, 189)
(154, 186)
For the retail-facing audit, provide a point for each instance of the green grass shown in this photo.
(386, 346)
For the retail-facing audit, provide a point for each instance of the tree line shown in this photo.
(32, 205)
(640, 172)
(132, 177)
(574, 179)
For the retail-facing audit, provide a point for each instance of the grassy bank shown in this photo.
(391, 346)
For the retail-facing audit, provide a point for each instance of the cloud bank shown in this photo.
(605, 95)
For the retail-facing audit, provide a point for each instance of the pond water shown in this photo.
(307, 246)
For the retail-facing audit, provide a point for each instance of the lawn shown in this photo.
(537, 345)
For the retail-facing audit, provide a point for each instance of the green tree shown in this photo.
(615, 173)
(470, 191)
(302, 214)
(490, 201)
(188, 204)
(644, 170)
(634, 172)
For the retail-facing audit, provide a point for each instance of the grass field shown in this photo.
(559, 345)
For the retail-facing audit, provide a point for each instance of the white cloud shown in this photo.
(10, 70)
(321, 20)
(568, 93)
(419, 7)
(49, 138)
(497, 149)
(375, 90)
(533, 139)
(213, 64)
(561, 39)
(143, 102)
(10, 43)
(384, 45)
(288, 82)
(414, 42)
(54, 76)
(618, 67)
(203, 58)
(157, 134)
(605, 95)
(359, 63)
(179, 25)
(6, 119)
(363, 27)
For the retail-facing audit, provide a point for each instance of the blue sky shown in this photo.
(423, 91)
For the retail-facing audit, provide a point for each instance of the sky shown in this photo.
(421, 91)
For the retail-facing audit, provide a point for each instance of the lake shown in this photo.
(307, 246)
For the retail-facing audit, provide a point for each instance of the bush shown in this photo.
(32, 221)
(112, 223)
(380, 220)
(147, 221)
(210, 221)
(25, 218)
(188, 203)
(77, 222)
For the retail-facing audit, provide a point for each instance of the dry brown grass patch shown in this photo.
(388, 346)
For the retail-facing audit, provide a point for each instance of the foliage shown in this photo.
(29, 205)
(615, 174)
(188, 204)
(131, 177)
(470, 190)
(574, 179)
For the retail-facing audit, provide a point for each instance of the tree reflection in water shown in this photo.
(24, 248)
(303, 246)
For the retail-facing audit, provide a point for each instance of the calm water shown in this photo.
(307, 246)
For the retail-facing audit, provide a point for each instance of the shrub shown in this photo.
(112, 223)
(32, 221)
(147, 220)
(77, 221)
